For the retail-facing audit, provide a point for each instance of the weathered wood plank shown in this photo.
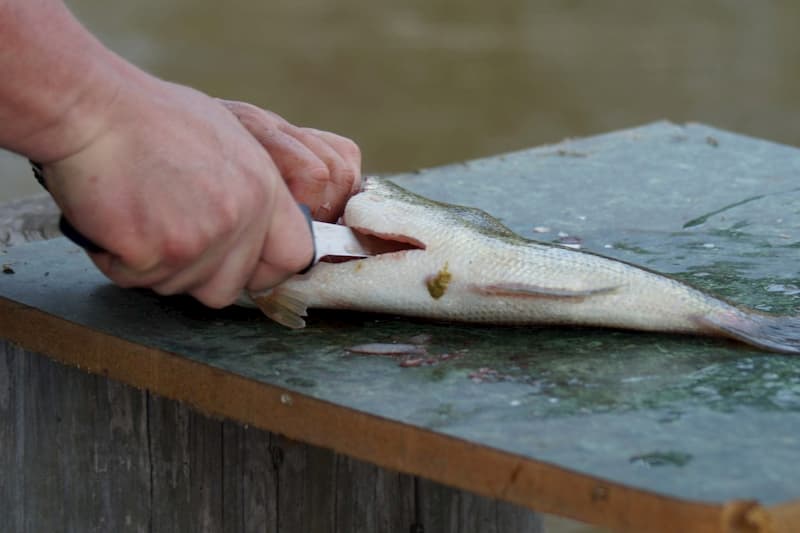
(320, 488)
(355, 496)
(72, 455)
(232, 476)
(394, 501)
(447, 510)
(291, 470)
(12, 444)
(512, 517)
(77, 457)
(45, 501)
(122, 455)
(476, 513)
(205, 456)
(438, 507)
(170, 464)
(259, 483)
(84, 453)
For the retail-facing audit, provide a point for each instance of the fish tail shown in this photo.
(774, 333)
(284, 306)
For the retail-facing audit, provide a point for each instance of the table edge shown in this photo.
(390, 444)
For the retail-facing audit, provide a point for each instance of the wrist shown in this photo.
(89, 112)
(60, 84)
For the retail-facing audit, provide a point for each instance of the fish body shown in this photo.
(458, 263)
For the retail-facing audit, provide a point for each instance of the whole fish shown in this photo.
(458, 263)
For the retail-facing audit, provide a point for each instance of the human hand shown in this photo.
(184, 199)
(321, 169)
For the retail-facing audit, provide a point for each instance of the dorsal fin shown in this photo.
(480, 220)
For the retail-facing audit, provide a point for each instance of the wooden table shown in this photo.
(633, 431)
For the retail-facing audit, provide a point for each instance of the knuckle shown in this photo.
(216, 299)
(179, 248)
(238, 108)
(164, 290)
(253, 116)
(351, 149)
(230, 104)
(317, 174)
(344, 180)
(228, 212)
(347, 176)
(136, 255)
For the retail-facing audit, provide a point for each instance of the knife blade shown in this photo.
(330, 241)
(336, 240)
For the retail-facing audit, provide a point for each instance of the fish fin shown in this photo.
(773, 333)
(534, 291)
(285, 307)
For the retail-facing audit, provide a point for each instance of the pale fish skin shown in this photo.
(468, 267)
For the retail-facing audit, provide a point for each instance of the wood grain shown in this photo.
(485, 471)
(81, 452)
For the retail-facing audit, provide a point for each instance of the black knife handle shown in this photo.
(77, 237)
(64, 225)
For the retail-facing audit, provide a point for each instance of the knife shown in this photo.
(336, 240)
(330, 240)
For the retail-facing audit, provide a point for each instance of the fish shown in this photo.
(460, 264)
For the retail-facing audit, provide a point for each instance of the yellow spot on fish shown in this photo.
(437, 285)
(359, 265)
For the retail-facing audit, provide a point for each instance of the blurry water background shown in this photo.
(420, 83)
(426, 82)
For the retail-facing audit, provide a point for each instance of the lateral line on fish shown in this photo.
(533, 291)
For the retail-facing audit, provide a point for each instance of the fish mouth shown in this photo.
(378, 244)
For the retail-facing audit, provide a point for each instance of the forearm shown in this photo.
(57, 80)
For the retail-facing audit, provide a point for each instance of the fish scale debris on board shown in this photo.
(380, 348)
(458, 256)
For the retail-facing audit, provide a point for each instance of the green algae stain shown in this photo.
(437, 285)
(667, 458)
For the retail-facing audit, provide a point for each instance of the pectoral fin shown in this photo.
(524, 290)
(283, 306)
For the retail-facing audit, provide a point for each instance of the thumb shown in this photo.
(288, 245)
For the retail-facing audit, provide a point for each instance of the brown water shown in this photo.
(426, 82)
